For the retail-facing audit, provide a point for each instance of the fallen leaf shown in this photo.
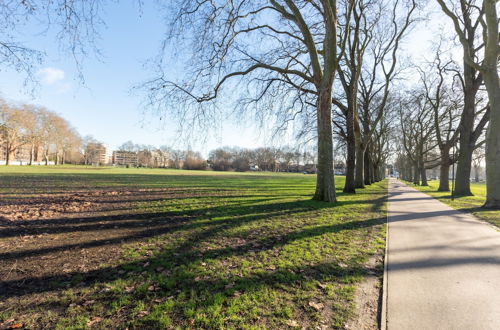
(237, 293)
(143, 313)
(316, 306)
(293, 323)
(16, 326)
(89, 302)
(93, 321)
(229, 286)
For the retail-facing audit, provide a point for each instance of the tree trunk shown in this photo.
(368, 168)
(464, 161)
(423, 174)
(444, 172)
(349, 186)
(493, 141)
(492, 83)
(32, 154)
(359, 181)
(416, 174)
(377, 172)
(325, 182)
(7, 156)
(444, 178)
(476, 173)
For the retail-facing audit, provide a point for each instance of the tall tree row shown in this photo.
(40, 132)
(475, 25)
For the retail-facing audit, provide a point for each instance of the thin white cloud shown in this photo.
(50, 76)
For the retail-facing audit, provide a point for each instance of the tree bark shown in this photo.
(467, 142)
(368, 168)
(325, 182)
(360, 168)
(492, 83)
(349, 186)
(493, 142)
(360, 155)
(32, 154)
(416, 174)
(444, 172)
(423, 174)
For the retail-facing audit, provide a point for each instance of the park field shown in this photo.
(84, 247)
(471, 204)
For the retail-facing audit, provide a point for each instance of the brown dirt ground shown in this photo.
(50, 237)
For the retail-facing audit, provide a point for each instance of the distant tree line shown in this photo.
(285, 159)
(272, 159)
(34, 134)
(164, 156)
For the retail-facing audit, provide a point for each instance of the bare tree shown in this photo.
(467, 17)
(287, 53)
(416, 132)
(75, 22)
(15, 127)
(367, 70)
(445, 100)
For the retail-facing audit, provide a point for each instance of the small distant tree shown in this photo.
(194, 161)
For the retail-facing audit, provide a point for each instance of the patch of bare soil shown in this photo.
(50, 238)
(367, 297)
(72, 204)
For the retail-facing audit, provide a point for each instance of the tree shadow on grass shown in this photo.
(183, 254)
(180, 262)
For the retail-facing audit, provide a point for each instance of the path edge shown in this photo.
(383, 313)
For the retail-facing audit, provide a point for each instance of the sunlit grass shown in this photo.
(253, 251)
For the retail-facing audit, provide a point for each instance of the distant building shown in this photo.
(125, 158)
(23, 155)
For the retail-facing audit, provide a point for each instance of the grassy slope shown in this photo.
(253, 251)
(470, 204)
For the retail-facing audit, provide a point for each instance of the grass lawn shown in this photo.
(139, 248)
(471, 204)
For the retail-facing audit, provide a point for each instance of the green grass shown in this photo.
(247, 250)
(471, 204)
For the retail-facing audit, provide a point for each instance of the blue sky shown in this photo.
(103, 106)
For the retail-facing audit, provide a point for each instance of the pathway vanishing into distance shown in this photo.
(443, 266)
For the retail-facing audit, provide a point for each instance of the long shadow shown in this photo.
(127, 221)
(456, 214)
(443, 262)
(180, 255)
(186, 254)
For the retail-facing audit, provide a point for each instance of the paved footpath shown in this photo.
(443, 269)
